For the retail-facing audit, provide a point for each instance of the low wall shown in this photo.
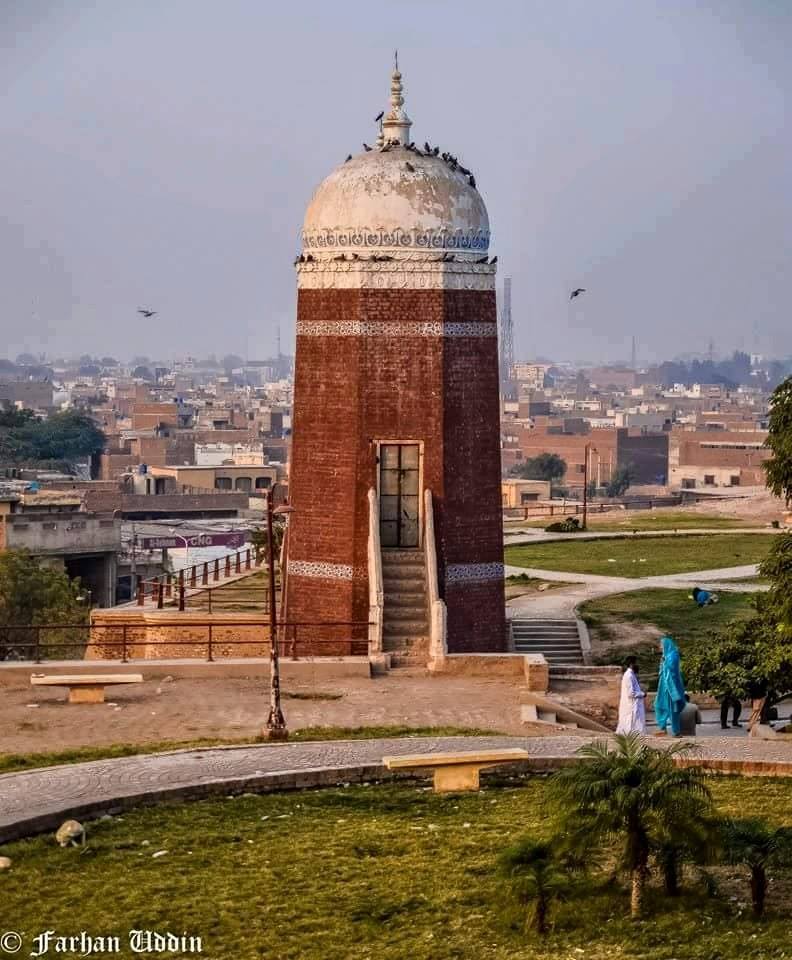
(17, 673)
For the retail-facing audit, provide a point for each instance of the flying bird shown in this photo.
(379, 116)
(576, 293)
(147, 313)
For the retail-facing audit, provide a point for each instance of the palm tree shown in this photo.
(535, 873)
(636, 794)
(757, 845)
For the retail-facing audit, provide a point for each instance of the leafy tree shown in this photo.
(758, 846)
(779, 438)
(537, 875)
(32, 594)
(753, 658)
(232, 360)
(635, 795)
(142, 373)
(63, 436)
(109, 362)
(545, 466)
(620, 480)
(26, 360)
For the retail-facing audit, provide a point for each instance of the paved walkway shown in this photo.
(39, 800)
(538, 535)
(564, 601)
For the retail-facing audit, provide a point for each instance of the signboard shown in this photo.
(233, 540)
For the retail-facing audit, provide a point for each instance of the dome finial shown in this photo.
(396, 125)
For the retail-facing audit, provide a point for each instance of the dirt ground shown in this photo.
(235, 708)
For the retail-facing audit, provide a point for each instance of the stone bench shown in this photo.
(85, 688)
(455, 772)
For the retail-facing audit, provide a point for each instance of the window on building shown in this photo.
(244, 484)
(709, 479)
(263, 483)
(159, 485)
(688, 483)
(223, 483)
(734, 480)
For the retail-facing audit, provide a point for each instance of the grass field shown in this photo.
(386, 872)
(614, 521)
(671, 611)
(644, 557)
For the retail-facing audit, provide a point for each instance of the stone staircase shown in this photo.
(405, 628)
(558, 640)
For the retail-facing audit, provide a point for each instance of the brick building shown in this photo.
(396, 392)
(717, 458)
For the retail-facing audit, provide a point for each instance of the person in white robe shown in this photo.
(632, 713)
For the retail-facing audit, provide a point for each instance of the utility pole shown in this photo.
(276, 724)
(133, 565)
(585, 484)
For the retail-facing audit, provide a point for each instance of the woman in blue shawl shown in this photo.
(670, 698)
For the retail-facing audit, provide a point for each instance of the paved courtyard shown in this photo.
(37, 800)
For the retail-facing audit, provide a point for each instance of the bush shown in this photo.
(568, 525)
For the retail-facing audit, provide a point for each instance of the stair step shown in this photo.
(402, 556)
(404, 628)
(416, 611)
(405, 644)
(405, 598)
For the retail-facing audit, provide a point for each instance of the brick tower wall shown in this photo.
(359, 385)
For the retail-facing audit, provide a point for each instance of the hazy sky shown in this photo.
(161, 153)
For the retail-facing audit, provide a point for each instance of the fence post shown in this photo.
(123, 643)
(168, 585)
(294, 642)
(217, 568)
(37, 650)
(181, 596)
(227, 565)
(238, 562)
(205, 575)
(192, 575)
(209, 656)
(160, 594)
(247, 559)
(141, 593)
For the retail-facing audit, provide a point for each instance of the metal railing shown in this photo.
(173, 586)
(41, 642)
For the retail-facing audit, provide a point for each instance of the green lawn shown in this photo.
(614, 521)
(643, 557)
(387, 872)
(671, 611)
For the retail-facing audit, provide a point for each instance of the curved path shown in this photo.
(39, 800)
(564, 601)
(539, 535)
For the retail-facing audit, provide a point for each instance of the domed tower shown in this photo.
(396, 395)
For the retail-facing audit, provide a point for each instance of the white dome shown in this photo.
(396, 199)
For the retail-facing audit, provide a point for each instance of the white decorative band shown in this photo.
(395, 274)
(472, 572)
(367, 238)
(321, 571)
(383, 328)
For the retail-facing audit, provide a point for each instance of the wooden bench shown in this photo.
(85, 688)
(455, 772)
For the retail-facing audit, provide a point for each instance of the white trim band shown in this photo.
(320, 570)
(395, 274)
(381, 328)
(473, 572)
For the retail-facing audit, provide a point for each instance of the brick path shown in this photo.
(38, 800)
